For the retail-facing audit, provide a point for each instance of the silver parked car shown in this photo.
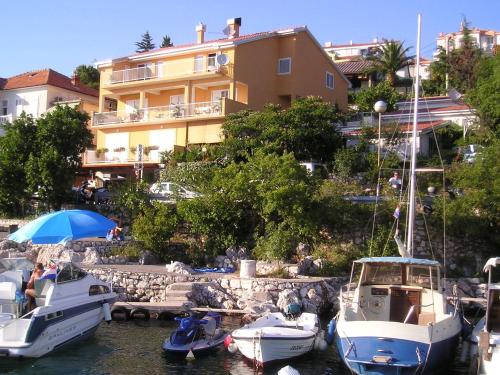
(171, 191)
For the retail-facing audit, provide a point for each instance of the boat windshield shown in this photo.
(382, 274)
(70, 272)
(421, 276)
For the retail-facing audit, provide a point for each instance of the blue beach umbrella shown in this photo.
(62, 226)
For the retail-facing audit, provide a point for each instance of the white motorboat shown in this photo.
(276, 336)
(69, 308)
(486, 334)
(394, 317)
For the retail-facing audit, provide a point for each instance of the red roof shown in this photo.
(354, 67)
(456, 107)
(220, 40)
(45, 77)
(356, 44)
(421, 126)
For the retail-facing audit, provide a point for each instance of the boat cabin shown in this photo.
(395, 289)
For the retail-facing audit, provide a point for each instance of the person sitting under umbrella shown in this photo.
(30, 291)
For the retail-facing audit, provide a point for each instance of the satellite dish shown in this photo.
(222, 59)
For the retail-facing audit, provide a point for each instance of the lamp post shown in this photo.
(379, 107)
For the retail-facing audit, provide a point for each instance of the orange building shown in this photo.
(178, 96)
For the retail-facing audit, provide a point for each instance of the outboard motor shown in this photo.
(292, 311)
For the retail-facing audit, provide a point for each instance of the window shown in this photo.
(421, 276)
(329, 80)
(5, 108)
(69, 272)
(98, 289)
(285, 65)
(219, 94)
(382, 274)
(211, 62)
(54, 315)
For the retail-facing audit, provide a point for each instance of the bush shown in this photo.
(365, 99)
(132, 251)
(154, 227)
(279, 243)
(337, 259)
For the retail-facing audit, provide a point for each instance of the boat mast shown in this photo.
(413, 163)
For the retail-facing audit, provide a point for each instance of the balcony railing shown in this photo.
(167, 69)
(6, 118)
(160, 114)
(124, 156)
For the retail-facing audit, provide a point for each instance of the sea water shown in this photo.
(135, 347)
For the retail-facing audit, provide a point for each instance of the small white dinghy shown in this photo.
(276, 336)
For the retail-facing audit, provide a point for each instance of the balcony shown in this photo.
(170, 70)
(123, 156)
(6, 118)
(169, 113)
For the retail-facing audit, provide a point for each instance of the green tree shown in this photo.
(166, 42)
(16, 146)
(307, 128)
(154, 227)
(485, 95)
(478, 209)
(249, 202)
(146, 43)
(88, 75)
(462, 62)
(436, 85)
(389, 58)
(61, 137)
(365, 99)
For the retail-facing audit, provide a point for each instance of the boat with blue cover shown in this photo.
(394, 317)
(198, 336)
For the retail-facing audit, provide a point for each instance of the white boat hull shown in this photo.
(53, 336)
(265, 350)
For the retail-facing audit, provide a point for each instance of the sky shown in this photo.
(62, 34)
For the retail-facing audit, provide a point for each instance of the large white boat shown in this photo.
(394, 317)
(486, 334)
(69, 308)
(276, 337)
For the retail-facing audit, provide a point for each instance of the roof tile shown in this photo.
(46, 77)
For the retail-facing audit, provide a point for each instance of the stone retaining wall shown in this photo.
(226, 291)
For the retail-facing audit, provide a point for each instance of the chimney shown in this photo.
(75, 80)
(200, 32)
(234, 27)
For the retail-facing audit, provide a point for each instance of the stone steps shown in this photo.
(186, 286)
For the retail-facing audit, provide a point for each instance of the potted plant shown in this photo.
(133, 149)
(148, 149)
(100, 151)
(119, 149)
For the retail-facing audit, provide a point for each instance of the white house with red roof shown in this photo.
(487, 40)
(434, 113)
(37, 91)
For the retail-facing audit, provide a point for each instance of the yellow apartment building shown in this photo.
(173, 97)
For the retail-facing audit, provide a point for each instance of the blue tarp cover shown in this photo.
(215, 269)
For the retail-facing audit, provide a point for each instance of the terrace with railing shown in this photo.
(160, 114)
(168, 70)
(6, 118)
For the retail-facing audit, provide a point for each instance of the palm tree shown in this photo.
(389, 58)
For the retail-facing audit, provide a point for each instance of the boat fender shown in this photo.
(320, 344)
(288, 370)
(228, 340)
(330, 336)
(232, 348)
(139, 313)
(107, 312)
(120, 313)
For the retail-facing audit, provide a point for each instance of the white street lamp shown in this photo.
(379, 107)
